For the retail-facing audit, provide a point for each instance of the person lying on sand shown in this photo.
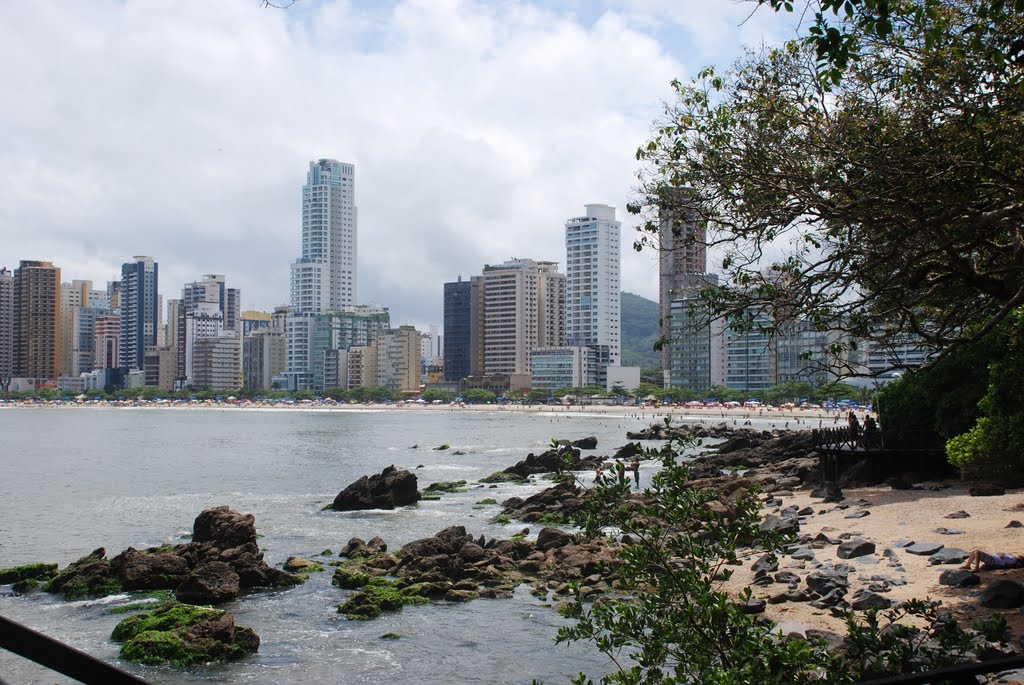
(992, 561)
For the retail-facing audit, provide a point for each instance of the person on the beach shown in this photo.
(635, 467)
(992, 561)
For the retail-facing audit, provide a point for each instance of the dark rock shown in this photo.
(765, 564)
(551, 538)
(1003, 594)
(1015, 524)
(806, 511)
(803, 554)
(830, 599)
(900, 483)
(828, 492)
(858, 514)
(864, 599)
(224, 528)
(902, 543)
(389, 489)
(149, 571)
(753, 605)
(588, 443)
(627, 451)
(555, 504)
(356, 548)
(824, 581)
(961, 514)
(780, 525)
(833, 640)
(948, 531)
(924, 549)
(786, 577)
(213, 582)
(822, 537)
(986, 490)
(959, 578)
(791, 511)
(855, 548)
(948, 555)
(790, 596)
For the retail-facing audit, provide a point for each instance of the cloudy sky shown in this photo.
(183, 129)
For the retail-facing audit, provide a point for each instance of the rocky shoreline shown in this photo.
(825, 570)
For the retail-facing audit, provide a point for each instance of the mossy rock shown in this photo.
(390, 636)
(350, 577)
(36, 571)
(169, 617)
(489, 500)
(302, 565)
(374, 600)
(461, 595)
(430, 497)
(447, 486)
(502, 477)
(443, 447)
(23, 587)
(183, 635)
(90, 576)
(502, 519)
(549, 519)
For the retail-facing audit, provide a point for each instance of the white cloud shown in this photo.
(183, 131)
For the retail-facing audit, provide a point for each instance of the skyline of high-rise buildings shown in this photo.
(517, 324)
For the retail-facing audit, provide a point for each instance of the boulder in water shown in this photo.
(388, 489)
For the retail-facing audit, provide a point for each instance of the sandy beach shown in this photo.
(900, 515)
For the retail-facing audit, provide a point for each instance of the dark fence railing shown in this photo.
(964, 674)
(57, 656)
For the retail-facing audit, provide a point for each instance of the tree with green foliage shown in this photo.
(478, 396)
(432, 394)
(337, 394)
(887, 204)
(994, 446)
(669, 620)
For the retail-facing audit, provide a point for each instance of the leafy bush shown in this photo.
(994, 446)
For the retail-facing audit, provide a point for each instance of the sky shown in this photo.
(183, 130)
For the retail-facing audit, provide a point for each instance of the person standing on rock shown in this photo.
(635, 467)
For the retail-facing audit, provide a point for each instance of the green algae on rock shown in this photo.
(183, 635)
(446, 486)
(373, 600)
(90, 576)
(36, 571)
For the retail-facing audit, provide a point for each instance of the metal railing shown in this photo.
(59, 657)
(964, 674)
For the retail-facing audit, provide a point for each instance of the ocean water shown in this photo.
(75, 479)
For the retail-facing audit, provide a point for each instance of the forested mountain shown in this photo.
(639, 331)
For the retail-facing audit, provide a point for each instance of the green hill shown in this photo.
(639, 331)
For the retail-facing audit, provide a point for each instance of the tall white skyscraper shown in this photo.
(593, 292)
(323, 278)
